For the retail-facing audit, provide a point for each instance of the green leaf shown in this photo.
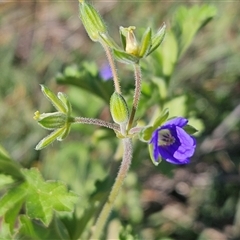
(177, 106)
(83, 78)
(124, 57)
(9, 166)
(44, 197)
(12, 197)
(11, 216)
(5, 180)
(35, 231)
(188, 21)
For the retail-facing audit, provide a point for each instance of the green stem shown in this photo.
(137, 94)
(98, 122)
(113, 67)
(126, 161)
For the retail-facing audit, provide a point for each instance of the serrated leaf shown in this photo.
(188, 21)
(12, 197)
(34, 231)
(11, 216)
(124, 57)
(45, 197)
(5, 180)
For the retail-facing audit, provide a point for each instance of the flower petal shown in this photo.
(187, 145)
(168, 156)
(178, 121)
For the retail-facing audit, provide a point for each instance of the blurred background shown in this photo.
(39, 39)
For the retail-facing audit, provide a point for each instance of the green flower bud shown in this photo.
(51, 121)
(118, 108)
(91, 20)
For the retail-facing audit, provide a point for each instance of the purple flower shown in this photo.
(171, 142)
(106, 72)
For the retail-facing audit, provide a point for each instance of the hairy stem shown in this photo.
(137, 94)
(98, 122)
(113, 68)
(126, 161)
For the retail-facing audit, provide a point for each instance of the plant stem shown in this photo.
(97, 122)
(126, 161)
(137, 93)
(113, 67)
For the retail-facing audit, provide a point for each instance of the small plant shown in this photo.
(167, 135)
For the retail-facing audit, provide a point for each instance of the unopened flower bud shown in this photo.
(118, 108)
(51, 121)
(91, 20)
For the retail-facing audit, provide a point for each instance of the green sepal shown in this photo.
(108, 41)
(124, 57)
(146, 43)
(157, 38)
(65, 133)
(190, 129)
(123, 35)
(118, 108)
(50, 138)
(51, 121)
(91, 20)
(161, 119)
(57, 103)
(150, 149)
(64, 98)
(146, 134)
